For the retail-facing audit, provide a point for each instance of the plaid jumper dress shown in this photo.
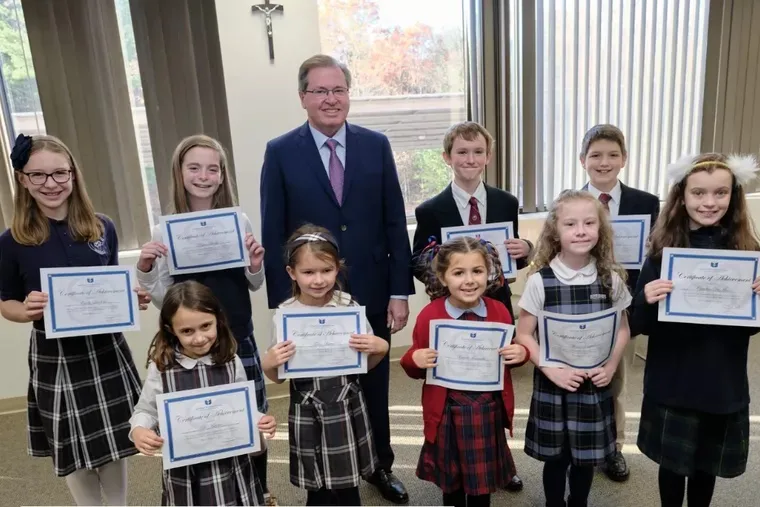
(584, 420)
(227, 481)
(82, 392)
(331, 443)
(470, 450)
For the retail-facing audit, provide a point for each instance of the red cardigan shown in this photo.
(434, 397)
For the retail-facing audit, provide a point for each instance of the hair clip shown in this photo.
(22, 150)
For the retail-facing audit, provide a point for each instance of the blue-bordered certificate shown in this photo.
(495, 233)
(205, 240)
(468, 354)
(207, 424)
(630, 238)
(577, 341)
(321, 338)
(710, 287)
(89, 300)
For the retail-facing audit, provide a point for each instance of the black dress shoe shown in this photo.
(515, 484)
(616, 468)
(390, 486)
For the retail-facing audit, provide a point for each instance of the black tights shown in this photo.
(348, 496)
(699, 488)
(260, 464)
(555, 475)
(459, 499)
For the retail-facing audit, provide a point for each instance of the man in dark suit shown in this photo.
(343, 177)
(467, 149)
(603, 155)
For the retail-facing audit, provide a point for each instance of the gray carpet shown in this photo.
(27, 481)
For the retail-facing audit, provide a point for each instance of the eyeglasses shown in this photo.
(323, 93)
(40, 178)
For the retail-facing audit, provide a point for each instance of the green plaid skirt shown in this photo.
(683, 440)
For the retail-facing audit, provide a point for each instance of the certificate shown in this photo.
(205, 240)
(630, 238)
(209, 423)
(89, 300)
(321, 339)
(493, 233)
(577, 341)
(710, 287)
(468, 354)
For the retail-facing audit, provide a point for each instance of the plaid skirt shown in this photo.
(82, 391)
(684, 441)
(331, 444)
(583, 420)
(470, 451)
(249, 356)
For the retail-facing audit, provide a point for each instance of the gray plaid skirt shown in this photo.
(82, 391)
(584, 420)
(683, 440)
(249, 356)
(331, 443)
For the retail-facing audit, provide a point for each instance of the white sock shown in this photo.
(113, 480)
(84, 486)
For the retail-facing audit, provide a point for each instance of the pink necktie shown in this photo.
(336, 170)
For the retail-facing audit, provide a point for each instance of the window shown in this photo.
(136, 100)
(638, 65)
(20, 98)
(408, 67)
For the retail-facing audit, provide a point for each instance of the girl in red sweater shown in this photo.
(465, 451)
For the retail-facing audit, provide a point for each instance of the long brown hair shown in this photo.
(462, 245)
(549, 245)
(30, 226)
(225, 194)
(325, 249)
(672, 226)
(194, 296)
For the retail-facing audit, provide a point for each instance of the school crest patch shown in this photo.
(100, 246)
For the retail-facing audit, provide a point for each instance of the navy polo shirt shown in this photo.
(20, 264)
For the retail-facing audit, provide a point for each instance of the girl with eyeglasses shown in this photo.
(82, 390)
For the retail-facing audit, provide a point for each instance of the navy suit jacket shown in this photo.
(636, 202)
(442, 211)
(370, 224)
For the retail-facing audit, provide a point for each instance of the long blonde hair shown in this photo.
(225, 194)
(30, 226)
(672, 226)
(549, 244)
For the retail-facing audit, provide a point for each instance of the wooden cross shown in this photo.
(267, 9)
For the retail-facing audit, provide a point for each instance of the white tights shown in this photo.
(85, 485)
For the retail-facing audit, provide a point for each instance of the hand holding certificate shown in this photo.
(496, 234)
(710, 287)
(89, 300)
(207, 424)
(582, 342)
(321, 338)
(205, 240)
(468, 355)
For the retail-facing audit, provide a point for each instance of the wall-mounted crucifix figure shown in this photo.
(267, 9)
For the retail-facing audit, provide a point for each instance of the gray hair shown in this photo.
(319, 61)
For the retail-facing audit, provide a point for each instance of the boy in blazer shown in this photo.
(467, 149)
(603, 154)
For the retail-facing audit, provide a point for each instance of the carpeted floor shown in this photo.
(27, 481)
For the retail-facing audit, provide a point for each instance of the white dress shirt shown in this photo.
(146, 411)
(615, 193)
(158, 280)
(462, 198)
(532, 300)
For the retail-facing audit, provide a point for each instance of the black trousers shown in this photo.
(375, 386)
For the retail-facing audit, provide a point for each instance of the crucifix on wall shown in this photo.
(267, 9)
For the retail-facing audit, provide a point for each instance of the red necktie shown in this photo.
(605, 200)
(474, 212)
